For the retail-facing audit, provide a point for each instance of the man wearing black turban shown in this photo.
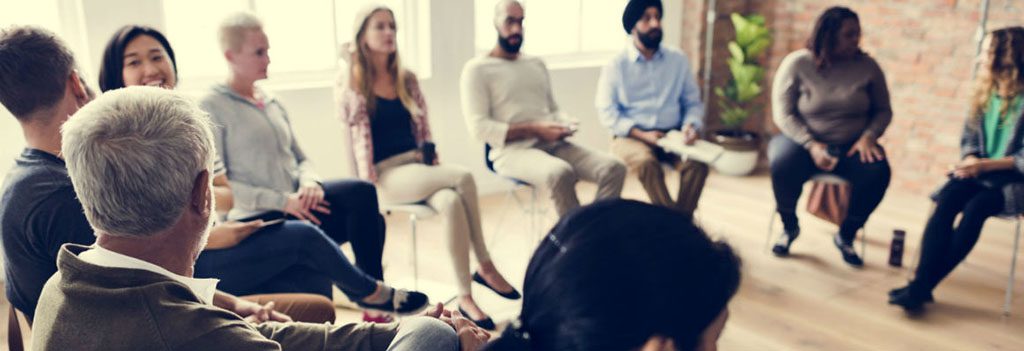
(645, 92)
(635, 11)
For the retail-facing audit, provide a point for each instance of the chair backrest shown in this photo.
(487, 157)
(14, 338)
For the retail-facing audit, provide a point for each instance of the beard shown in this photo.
(505, 43)
(650, 39)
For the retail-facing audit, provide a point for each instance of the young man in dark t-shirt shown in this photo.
(38, 208)
(38, 213)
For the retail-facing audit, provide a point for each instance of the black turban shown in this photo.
(635, 10)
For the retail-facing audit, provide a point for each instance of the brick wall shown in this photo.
(925, 47)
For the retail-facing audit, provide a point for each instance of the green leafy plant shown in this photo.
(735, 98)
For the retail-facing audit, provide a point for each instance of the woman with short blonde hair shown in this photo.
(271, 177)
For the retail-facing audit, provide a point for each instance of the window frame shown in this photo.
(579, 58)
(319, 78)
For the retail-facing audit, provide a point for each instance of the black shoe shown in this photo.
(849, 254)
(486, 323)
(511, 295)
(402, 302)
(786, 239)
(911, 304)
(927, 298)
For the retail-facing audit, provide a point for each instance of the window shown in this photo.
(40, 13)
(193, 34)
(304, 39)
(560, 27)
(15, 12)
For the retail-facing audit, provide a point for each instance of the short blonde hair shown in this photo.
(232, 30)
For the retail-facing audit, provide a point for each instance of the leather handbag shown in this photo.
(829, 201)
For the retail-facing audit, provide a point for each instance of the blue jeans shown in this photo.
(293, 257)
(424, 334)
(355, 218)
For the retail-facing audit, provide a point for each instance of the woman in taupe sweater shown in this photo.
(831, 103)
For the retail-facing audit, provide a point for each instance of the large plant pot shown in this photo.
(740, 155)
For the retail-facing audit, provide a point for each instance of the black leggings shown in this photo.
(944, 246)
(792, 166)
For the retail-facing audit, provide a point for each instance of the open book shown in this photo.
(701, 151)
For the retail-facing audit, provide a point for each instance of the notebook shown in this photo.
(701, 151)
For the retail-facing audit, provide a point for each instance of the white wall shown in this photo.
(312, 109)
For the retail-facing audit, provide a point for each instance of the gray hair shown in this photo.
(233, 28)
(133, 156)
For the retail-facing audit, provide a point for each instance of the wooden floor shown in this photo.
(810, 301)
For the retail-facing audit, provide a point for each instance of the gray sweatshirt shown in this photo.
(836, 105)
(259, 150)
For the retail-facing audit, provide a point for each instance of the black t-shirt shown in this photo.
(39, 212)
(391, 129)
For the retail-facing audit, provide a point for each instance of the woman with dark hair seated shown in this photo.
(251, 257)
(989, 180)
(581, 285)
(831, 103)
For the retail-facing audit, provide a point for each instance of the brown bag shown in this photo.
(829, 201)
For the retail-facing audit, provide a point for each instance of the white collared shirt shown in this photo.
(204, 288)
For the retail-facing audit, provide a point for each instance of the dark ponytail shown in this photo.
(613, 274)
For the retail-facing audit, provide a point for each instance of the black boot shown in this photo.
(912, 303)
(781, 248)
(927, 298)
(849, 254)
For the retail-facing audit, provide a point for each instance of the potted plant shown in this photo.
(736, 100)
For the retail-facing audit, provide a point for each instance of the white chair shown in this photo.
(416, 212)
(828, 179)
(531, 209)
(1010, 280)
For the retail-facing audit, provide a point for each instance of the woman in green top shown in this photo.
(989, 180)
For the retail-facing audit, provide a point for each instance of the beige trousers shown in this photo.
(646, 161)
(557, 167)
(449, 190)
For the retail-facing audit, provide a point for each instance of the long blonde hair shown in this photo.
(363, 75)
(1005, 70)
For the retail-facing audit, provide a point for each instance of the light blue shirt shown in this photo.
(660, 93)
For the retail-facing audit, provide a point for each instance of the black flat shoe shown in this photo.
(511, 295)
(781, 248)
(849, 254)
(928, 298)
(403, 302)
(911, 304)
(486, 323)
